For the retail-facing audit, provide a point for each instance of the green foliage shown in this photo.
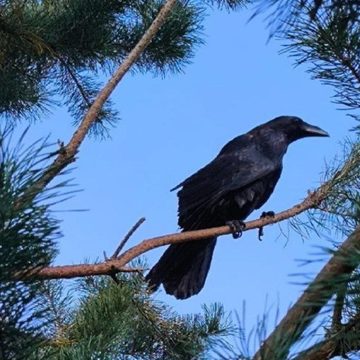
(59, 47)
(53, 52)
(121, 321)
(100, 319)
(338, 214)
(325, 35)
(229, 4)
(340, 210)
(27, 241)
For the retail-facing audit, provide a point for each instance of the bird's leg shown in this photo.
(264, 214)
(236, 227)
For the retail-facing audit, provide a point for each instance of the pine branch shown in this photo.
(70, 150)
(334, 345)
(124, 322)
(74, 78)
(317, 294)
(27, 242)
(339, 53)
(35, 35)
(324, 35)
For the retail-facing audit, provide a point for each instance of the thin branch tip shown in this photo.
(127, 237)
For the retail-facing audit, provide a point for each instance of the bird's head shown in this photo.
(295, 128)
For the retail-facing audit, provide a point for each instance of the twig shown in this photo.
(70, 150)
(313, 12)
(311, 301)
(114, 277)
(75, 79)
(127, 237)
(119, 248)
(338, 308)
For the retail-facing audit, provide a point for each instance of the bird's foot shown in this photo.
(237, 227)
(265, 214)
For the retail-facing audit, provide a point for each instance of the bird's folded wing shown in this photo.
(226, 173)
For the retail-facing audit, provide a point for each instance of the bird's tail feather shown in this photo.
(183, 268)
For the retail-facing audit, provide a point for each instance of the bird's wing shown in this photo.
(227, 172)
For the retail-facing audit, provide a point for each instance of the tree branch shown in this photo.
(317, 294)
(113, 266)
(67, 156)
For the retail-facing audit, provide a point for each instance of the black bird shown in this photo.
(239, 180)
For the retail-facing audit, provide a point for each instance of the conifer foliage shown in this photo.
(55, 53)
(27, 241)
(59, 47)
(120, 321)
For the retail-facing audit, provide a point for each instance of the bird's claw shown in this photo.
(264, 214)
(237, 227)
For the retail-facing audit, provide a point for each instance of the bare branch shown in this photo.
(80, 270)
(67, 156)
(127, 237)
(113, 266)
(317, 294)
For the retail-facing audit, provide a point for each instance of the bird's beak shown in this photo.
(312, 130)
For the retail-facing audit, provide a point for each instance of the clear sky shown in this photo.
(170, 128)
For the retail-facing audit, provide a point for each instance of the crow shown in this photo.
(239, 180)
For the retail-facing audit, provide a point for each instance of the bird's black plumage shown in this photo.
(239, 180)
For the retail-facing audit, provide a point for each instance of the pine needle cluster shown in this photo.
(121, 321)
(324, 35)
(50, 48)
(27, 241)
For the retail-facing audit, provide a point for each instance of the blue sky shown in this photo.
(170, 128)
